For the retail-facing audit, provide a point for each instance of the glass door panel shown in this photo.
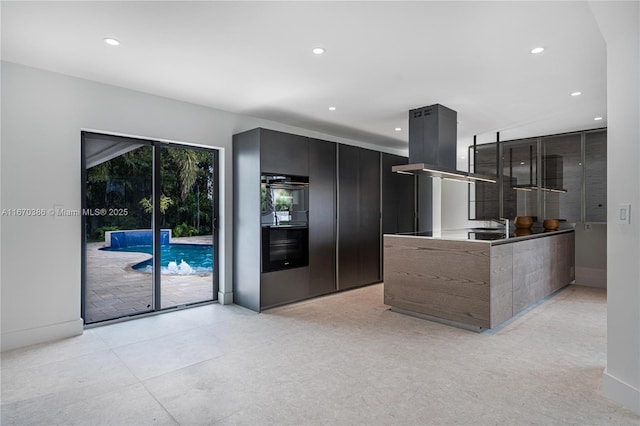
(562, 177)
(187, 202)
(520, 173)
(595, 176)
(485, 197)
(117, 214)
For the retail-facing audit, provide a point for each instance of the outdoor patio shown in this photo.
(114, 289)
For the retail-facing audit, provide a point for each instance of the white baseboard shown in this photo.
(621, 392)
(32, 336)
(225, 298)
(591, 277)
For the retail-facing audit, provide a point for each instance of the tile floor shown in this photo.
(343, 359)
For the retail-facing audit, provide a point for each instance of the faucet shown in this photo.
(503, 221)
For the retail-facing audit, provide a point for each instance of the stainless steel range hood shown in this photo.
(433, 138)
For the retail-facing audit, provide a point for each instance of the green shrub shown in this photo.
(184, 230)
(101, 230)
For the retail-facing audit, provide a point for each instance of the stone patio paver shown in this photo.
(114, 289)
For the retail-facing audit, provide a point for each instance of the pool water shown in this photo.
(181, 259)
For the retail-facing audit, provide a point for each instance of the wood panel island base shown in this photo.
(472, 283)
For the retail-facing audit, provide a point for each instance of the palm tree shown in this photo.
(186, 162)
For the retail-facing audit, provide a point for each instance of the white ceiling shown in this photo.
(382, 59)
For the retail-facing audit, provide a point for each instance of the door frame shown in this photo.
(156, 146)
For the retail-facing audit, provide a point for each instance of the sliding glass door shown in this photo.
(149, 226)
(187, 192)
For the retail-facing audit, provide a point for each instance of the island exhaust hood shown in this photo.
(433, 139)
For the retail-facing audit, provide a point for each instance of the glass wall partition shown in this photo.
(149, 226)
(595, 176)
(560, 176)
(520, 173)
(484, 201)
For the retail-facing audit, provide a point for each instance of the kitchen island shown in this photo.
(475, 278)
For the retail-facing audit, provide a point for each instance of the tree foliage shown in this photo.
(186, 180)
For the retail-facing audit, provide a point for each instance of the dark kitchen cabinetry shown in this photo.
(398, 197)
(284, 153)
(255, 153)
(346, 210)
(359, 217)
(322, 217)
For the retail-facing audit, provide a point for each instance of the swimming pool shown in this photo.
(181, 259)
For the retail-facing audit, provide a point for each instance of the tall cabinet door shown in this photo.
(398, 197)
(322, 216)
(359, 236)
(370, 216)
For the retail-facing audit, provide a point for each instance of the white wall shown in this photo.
(455, 204)
(42, 116)
(620, 26)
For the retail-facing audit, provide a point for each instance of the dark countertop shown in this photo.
(493, 236)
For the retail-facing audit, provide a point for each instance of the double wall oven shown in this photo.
(284, 221)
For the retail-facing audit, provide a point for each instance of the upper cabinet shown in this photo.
(284, 153)
(552, 177)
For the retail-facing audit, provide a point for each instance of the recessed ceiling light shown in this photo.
(332, 108)
(576, 94)
(398, 129)
(598, 118)
(318, 50)
(537, 50)
(522, 162)
(111, 41)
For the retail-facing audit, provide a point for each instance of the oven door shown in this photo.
(284, 247)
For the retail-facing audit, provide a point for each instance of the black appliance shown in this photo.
(433, 140)
(284, 247)
(285, 219)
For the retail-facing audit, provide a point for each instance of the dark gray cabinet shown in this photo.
(359, 217)
(322, 217)
(260, 151)
(284, 153)
(345, 215)
(398, 197)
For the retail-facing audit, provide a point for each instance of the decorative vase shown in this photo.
(551, 224)
(524, 222)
